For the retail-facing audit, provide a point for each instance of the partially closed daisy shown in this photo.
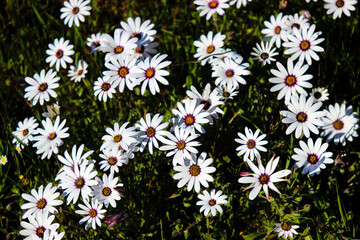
(74, 11)
(210, 7)
(338, 7)
(210, 99)
(251, 143)
(77, 73)
(93, 213)
(264, 53)
(105, 191)
(104, 88)
(226, 92)
(25, 131)
(296, 21)
(35, 228)
(228, 72)
(78, 181)
(50, 137)
(195, 172)
(190, 117)
(276, 29)
(150, 131)
(120, 68)
(286, 230)
(239, 3)
(303, 43)
(290, 81)
(43, 200)
(41, 87)
(339, 124)
(144, 32)
(59, 53)
(211, 202)
(320, 94)
(208, 46)
(312, 156)
(182, 145)
(113, 160)
(95, 41)
(119, 137)
(303, 116)
(263, 178)
(150, 72)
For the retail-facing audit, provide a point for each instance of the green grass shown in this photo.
(324, 206)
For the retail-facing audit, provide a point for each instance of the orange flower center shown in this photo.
(340, 3)
(338, 124)
(305, 45)
(285, 226)
(181, 145)
(123, 71)
(312, 158)
(264, 56)
(117, 138)
(213, 4)
(137, 35)
(212, 202)
(40, 232)
(105, 86)
(140, 49)
(301, 117)
(264, 179)
(25, 132)
(41, 203)
(92, 213)
(43, 87)
(80, 71)
(210, 49)
(106, 191)
(206, 103)
(75, 10)
(59, 53)
(150, 132)
(150, 73)
(79, 183)
(229, 73)
(295, 25)
(251, 144)
(52, 136)
(189, 120)
(194, 170)
(112, 161)
(118, 49)
(290, 80)
(277, 30)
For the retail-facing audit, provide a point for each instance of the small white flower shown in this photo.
(210, 7)
(195, 172)
(263, 178)
(25, 131)
(251, 143)
(94, 213)
(337, 7)
(113, 160)
(211, 202)
(208, 47)
(105, 191)
(264, 53)
(41, 87)
(95, 41)
(77, 73)
(104, 88)
(119, 137)
(74, 11)
(59, 53)
(286, 230)
(144, 32)
(3, 160)
(276, 29)
(320, 94)
(226, 92)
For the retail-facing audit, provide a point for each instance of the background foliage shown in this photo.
(325, 206)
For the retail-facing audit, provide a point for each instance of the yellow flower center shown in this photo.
(123, 71)
(212, 202)
(106, 191)
(290, 80)
(59, 53)
(181, 145)
(52, 136)
(194, 170)
(213, 4)
(79, 183)
(264, 179)
(277, 30)
(105, 86)
(251, 144)
(43, 87)
(338, 124)
(25, 132)
(75, 10)
(92, 213)
(41, 203)
(229, 73)
(305, 45)
(301, 117)
(210, 49)
(264, 55)
(312, 158)
(117, 138)
(150, 73)
(189, 120)
(340, 3)
(118, 49)
(40, 232)
(285, 226)
(112, 161)
(150, 132)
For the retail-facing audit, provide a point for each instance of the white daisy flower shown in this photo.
(95, 41)
(42, 201)
(229, 72)
(150, 71)
(286, 230)
(210, 7)
(3, 160)
(150, 131)
(105, 191)
(210, 99)
(276, 29)
(122, 43)
(239, 3)
(77, 73)
(190, 116)
(94, 213)
(339, 124)
(211, 202)
(50, 234)
(251, 143)
(120, 68)
(290, 81)
(59, 53)
(76, 181)
(312, 156)
(296, 21)
(263, 178)
(338, 7)
(25, 131)
(208, 47)
(303, 43)
(144, 32)
(182, 145)
(303, 116)
(195, 172)
(41, 87)
(104, 88)
(35, 228)
(74, 11)
(50, 137)
(119, 137)
(113, 160)
(320, 94)
(264, 53)
(226, 92)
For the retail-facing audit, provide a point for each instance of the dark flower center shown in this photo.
(212, 202)
(137, 35)
(295, 25)
(59, 53)
(52, 136)
(251, 144)
(40, 231)
(317, 95)
(150, 132)
(194, 170)
(338, 124)
(312, 158)
(140, 49)
(264, 55)
(181, 145)
(79, 183)
(80, 71)
(340, 3)
(290, 80)
(285, 226)
(123, 71)
(150, 72)
(106, 191)
(105, 86)
(25, 132)
(229, 73)
(210, 49)
(264, 179)
(92, 213)
(207, 104)
(277, 30)
(301, 117)
(305, 45)
(118, 49)
(75, 10)
(117, 138)
(189, 120)
(226, 94)
(41, 203)
(112, 161)
(43, 87)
